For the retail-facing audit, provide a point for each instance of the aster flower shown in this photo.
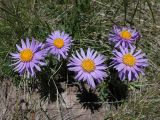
(59, 44)
(29, 57)
(88, 67)
(129, 62)
(124, 36)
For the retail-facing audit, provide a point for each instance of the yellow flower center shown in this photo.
(88, 65)
(26, 55)
(126, 35)
(58, 43)
(129, 60)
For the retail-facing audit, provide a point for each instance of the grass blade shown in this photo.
(150, 7)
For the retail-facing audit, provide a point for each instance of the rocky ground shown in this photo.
(18, 104)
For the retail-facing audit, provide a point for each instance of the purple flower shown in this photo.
(88, 67)
(29, 57)
(59, 44)
(129, 62)
(123, 36)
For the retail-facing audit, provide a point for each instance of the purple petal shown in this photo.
(23, 44)
(19, 48)
(27, 42)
